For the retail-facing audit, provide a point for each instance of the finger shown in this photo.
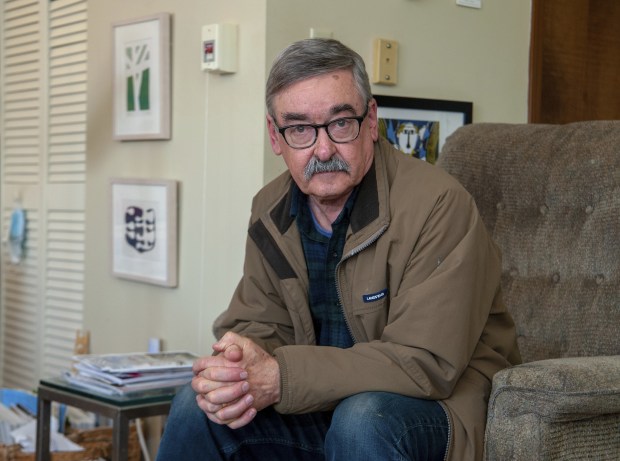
(208, 407)
(232, 411)
(200, 385)
(231, 345)
(213, 361)
(226, 340)
(228, 394)
(204, 406)
(233, 353)
(245, 419)
(215, 419)
(224, 374)
(209, 361)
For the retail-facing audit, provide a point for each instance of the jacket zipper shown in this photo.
(445, 410)
(373, 238)
(353, 252)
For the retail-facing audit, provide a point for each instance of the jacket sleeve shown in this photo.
(257, 309)
(440, 301)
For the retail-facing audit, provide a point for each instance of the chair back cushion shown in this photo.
(550, 196)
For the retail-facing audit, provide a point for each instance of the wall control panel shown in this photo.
(219, 48)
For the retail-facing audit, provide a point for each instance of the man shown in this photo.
(367, 324)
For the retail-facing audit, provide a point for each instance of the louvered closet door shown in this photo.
(43, 148)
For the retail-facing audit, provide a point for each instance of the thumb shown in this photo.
(230, 345)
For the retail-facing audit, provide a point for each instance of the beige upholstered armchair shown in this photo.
(550, 196)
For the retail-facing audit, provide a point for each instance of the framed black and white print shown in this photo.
(144, 230)
(419, 127)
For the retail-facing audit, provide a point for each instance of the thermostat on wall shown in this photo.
(219, 48)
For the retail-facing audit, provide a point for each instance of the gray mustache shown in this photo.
(317, 166)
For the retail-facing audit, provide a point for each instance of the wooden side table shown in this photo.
(121, 409)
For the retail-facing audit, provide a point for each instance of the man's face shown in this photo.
(319, 100)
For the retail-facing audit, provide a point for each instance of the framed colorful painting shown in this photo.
(419, 127)
(141, 78)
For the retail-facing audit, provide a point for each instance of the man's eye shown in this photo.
(299, 129)
(341, 125)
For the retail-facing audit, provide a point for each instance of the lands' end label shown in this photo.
(375, 296)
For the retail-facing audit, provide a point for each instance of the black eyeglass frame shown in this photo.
(359, 119)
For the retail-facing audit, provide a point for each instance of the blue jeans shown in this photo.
(368, 426)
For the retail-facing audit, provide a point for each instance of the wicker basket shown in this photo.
(97, 444)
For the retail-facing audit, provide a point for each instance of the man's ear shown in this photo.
(373, 121)
(274, 135)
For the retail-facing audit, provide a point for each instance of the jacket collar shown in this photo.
(366, 208)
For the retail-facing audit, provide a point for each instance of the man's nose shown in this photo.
(324, 147)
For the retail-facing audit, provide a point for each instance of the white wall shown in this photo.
(216, 152)
(219, 150)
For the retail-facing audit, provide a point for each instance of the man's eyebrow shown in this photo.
(294, 117)
(342, 108)
(300, 117)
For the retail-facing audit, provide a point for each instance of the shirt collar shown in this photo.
(299, 199)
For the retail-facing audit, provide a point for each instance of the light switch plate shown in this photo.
(385, 65)
(470, 3)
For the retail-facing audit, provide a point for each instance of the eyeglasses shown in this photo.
(340, 131)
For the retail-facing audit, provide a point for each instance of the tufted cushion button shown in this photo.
(600, 278)
(555, 278)
(544, 209)
(589, 209)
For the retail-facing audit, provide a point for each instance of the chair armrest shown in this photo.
(531, 404)
(558, 389)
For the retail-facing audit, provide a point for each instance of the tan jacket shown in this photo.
(419, 283)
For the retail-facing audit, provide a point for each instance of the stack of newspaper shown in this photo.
(120, 374)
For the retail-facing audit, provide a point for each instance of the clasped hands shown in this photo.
(237, 382)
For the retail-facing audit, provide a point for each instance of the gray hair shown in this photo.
(313, 57)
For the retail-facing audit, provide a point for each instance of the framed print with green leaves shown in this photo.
(141, 78)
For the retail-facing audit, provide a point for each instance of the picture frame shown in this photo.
(144, 230)
(141, 78)
(418, 126)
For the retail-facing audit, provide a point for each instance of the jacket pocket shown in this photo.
(372, 316)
